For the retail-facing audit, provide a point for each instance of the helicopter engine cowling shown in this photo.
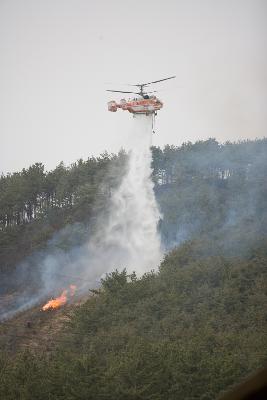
(112, 106)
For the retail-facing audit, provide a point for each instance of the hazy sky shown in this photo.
(57, 55)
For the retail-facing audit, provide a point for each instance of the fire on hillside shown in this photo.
(60, 300)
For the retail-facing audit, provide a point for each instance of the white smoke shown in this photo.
(126, 235)
(129, 238)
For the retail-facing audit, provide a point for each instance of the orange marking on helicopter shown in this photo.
(139, 106)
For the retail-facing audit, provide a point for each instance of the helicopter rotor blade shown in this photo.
(149, 83)
(160, 80)
(140, 85)
(119, 91)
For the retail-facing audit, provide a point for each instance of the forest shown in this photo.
(205, 186)
(188, 330)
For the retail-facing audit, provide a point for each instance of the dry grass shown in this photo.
(36, 329)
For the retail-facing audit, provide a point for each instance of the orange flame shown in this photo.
(57, 302)
(61, 300)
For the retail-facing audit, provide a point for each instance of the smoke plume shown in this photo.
(126, 235)
(129, 238)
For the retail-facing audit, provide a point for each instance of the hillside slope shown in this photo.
(190, 331)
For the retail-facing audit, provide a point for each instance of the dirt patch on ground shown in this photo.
(35, 329)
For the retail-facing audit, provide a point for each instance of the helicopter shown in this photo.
(145, 104)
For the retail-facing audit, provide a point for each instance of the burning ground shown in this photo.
(61, 300)
(40, 328)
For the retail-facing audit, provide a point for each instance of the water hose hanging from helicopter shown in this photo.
(154, 122)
